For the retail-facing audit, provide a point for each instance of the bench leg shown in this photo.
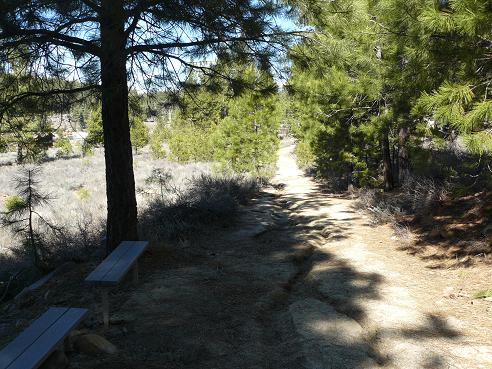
(135, 273)
(105, 307)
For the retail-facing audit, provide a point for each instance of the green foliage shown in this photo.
(373, 68)
(83, 194)
(139, 133)
(187, 143)
(463, 100)
(246, 140)
(95, 135)
(14, 203)
(21, 211)
(23, 126)
(483, 294)
(156, 148)
(62, 143)
(159, 135)
(237, 130)
(304, 154)
(336, 87)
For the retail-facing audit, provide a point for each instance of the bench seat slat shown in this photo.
(15, 348)
(112, 270)
(126, 262)
(45, 344)
(106, 265)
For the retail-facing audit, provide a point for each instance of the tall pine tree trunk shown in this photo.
(120, 183)
(387, 167)
(403, 155)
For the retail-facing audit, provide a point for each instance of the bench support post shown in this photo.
(105, 307)
(135, 273)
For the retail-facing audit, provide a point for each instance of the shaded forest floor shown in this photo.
(302, 280)
(454, 232)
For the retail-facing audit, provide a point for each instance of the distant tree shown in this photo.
(139, 133)
(95, 134)
(26, 124)
(160, 133)
(201, 105)
(62, 143)
(246, 139)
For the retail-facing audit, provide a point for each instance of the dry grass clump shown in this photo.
(415, 196)
(208, 199)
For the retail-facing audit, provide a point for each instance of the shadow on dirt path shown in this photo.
(302, 281)
(358, 276)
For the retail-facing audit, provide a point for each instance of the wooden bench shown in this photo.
(114, 268)
(41, 338)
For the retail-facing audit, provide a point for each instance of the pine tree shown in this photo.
(95, 134)
(111, 44)
(356, 80)
(139, 133)
(21, 212)
(246, 139)
(337, 91)
(463, 101)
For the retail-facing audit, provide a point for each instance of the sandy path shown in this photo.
(362, 303)
(299, 280)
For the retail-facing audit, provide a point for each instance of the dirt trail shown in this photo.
(302, 280)
(372, 304)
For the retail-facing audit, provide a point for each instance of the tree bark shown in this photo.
(387, 167)
(120, 182)
(20, 155)
(403, 155)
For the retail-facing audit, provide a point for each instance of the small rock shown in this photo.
(69, 342)
(488, 299)
(93, 344)
(57, 360)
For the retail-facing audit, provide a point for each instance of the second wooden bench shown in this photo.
(114, 268)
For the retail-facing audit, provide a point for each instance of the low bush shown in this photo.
(207, 200)
(416, 195)
(483, 294)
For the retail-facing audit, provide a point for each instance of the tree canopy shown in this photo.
(374, 78)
